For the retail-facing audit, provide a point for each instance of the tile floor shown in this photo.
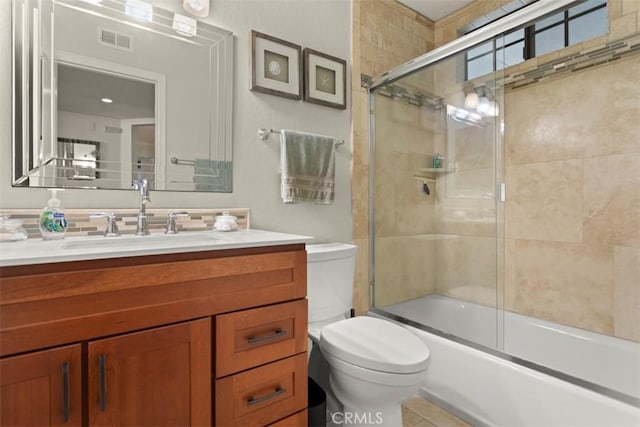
(419, 412)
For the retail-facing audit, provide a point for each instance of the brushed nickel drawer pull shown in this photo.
(65, 392)
(272, 336)
(254, 401)
(102, 360)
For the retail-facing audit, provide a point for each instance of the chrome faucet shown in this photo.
(142, 228)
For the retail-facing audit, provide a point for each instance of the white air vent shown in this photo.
(115, 39)
(112, 129)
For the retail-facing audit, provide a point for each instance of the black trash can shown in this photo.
(317, 412)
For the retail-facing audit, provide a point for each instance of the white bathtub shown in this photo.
(491, 390)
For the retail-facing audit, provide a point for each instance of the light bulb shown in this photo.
(483, 105)
(471, 101)
(139, 9)
(184, 25)
(198, 8)
(197, 5)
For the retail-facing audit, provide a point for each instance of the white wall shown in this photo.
(323, 25)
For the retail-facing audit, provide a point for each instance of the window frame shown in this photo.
(529, 37)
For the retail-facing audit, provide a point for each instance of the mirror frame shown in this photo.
(34, 103)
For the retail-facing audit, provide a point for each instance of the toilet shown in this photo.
(374, 364)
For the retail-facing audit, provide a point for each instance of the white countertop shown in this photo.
(38, 251)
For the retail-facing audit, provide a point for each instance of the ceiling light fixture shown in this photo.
(199, 8)
(107, 100)
(139, 9)
(479, 99)
(184, 25)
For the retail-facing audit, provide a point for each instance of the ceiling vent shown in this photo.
(115, 39)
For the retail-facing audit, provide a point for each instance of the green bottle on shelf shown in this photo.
(53, 223)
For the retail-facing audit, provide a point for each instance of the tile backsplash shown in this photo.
(81, 224)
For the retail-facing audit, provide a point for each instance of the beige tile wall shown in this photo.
(384, 34)
(572, 217)
(572, 158)
(405, 218)
(573, 211)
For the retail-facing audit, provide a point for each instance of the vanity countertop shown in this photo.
(37, 251)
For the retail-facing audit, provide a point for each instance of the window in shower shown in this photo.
(565, 28)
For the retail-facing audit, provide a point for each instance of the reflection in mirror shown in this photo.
(78, 159)
(107, 93)
(95, 104)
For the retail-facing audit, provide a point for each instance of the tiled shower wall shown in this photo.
(572, 158)
(572, 220)
(384, 34)
(405, 220)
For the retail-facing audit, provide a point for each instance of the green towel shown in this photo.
(211, 175)
(308, 167)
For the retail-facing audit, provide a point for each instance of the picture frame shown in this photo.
(325, 80)
(276, 66)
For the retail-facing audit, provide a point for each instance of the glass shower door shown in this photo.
(436, 151)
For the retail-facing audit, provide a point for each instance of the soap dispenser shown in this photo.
(53, 222)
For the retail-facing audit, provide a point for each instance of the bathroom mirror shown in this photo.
(109, 91)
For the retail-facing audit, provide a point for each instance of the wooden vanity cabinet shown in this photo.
(143, 340)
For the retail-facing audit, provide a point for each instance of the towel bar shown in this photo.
(264, 134)
(177, 161)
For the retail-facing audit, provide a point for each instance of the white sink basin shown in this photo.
(135, 242)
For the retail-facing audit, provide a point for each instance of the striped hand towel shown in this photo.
(308, 167)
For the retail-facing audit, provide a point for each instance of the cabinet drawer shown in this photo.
(54, 304)
(262, 395)
(249, 338)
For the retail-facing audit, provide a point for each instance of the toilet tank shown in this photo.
(330, 270)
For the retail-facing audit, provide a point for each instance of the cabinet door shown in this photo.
(42, 388)
(158, 377)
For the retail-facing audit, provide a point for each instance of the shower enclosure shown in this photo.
(505, 197)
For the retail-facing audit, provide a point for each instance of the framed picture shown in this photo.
(325, 79)
(276, 66)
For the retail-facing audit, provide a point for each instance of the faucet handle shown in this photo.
(172, 227)
(112, 225)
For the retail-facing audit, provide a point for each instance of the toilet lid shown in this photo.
(375, 344)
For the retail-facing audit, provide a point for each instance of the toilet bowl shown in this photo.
(374, 364)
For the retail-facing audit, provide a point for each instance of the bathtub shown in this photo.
(593, 381)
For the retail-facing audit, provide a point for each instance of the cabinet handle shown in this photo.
(272, 336)
(65, 392)
(254, 401)
(102, 360)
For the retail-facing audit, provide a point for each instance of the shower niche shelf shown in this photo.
(436, 170)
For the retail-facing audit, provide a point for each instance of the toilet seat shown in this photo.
(375, 344)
